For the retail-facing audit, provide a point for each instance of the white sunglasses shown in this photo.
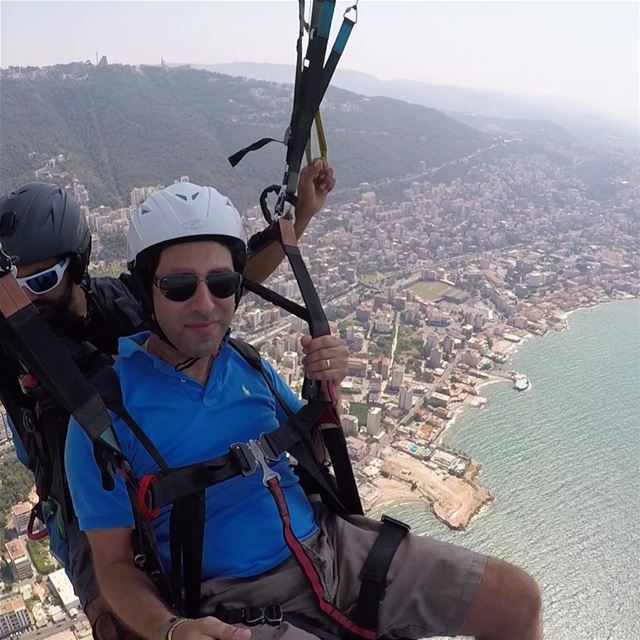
(45, 281)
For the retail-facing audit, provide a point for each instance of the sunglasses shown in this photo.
(181, 287)
(45, 281)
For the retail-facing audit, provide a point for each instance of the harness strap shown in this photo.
(107, 382)
(186, 541)
(277, 299)
(168, 485)
(309, 569)
(373, 575)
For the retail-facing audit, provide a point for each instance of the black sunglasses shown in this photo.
(181, 287)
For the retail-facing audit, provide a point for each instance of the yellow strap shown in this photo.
(322, 141)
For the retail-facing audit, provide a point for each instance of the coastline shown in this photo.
(401, 494)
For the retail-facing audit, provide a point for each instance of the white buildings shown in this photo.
(349, 424)
(19, 560)
(374, 421)
(62, 586)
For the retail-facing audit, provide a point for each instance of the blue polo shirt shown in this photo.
(190, 423)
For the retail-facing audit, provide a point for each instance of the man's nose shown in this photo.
(202, 300)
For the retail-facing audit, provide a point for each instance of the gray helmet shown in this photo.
(40, 221)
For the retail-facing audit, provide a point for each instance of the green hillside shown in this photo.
(124, 126)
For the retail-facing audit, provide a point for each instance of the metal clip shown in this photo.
(6, 263)
(354, 8)
(267, 472)
(254, 454)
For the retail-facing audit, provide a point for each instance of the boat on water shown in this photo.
(521, 383)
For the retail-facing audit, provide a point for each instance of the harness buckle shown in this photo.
(254, 454)
(394, 522)
(244, 457)
(267, 472)
(273, 614)
(252, 616)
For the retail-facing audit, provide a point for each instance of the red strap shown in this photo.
(145, 501)
(35, 535)
(309, 569)
(330, 418)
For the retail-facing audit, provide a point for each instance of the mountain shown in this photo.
(456, 102)
(123, 126)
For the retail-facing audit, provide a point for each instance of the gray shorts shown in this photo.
(430, 584)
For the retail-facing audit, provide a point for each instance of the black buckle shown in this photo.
(252, 616)
(244, 457)
(254, 454)
(273, 614)
(394, 523)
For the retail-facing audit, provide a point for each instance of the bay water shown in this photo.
(562, 460)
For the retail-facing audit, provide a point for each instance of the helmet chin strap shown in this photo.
(188, 362)
(157, 330)
(185, 364)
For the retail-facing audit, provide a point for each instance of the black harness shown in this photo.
(184, 489)
(39, 419)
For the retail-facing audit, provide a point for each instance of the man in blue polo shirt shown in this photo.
(194, 396)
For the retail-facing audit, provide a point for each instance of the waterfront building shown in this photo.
(438, 400)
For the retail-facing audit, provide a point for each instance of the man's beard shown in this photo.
(56, 312)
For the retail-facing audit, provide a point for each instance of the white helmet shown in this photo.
(183, 210)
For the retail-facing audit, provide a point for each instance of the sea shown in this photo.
(562, 460)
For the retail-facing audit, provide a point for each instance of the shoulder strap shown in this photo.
(252, 356)
(107, 384)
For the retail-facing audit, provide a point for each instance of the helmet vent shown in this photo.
(181, 196)
(144, 209)
(8, 223)
(195, 195)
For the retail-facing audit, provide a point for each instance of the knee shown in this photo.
(507, 604)
(521, 594)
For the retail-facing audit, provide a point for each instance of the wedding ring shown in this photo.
(328, 364)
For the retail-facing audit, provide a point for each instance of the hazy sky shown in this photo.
(585, 51)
